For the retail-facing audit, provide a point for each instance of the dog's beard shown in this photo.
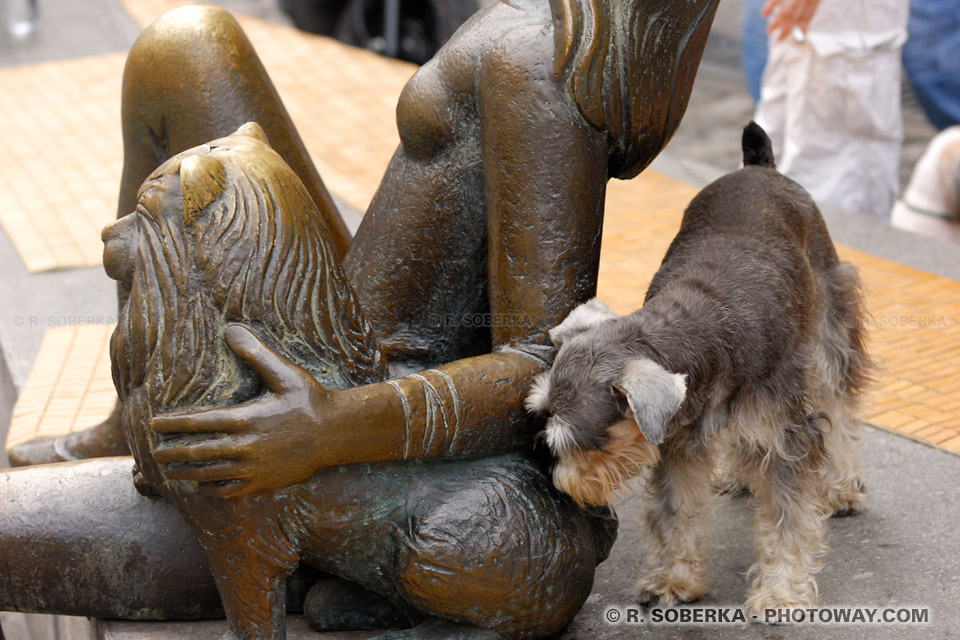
(594, 476)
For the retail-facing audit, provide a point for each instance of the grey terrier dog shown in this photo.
(748, 351)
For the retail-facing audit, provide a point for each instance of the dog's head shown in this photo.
(608, 406)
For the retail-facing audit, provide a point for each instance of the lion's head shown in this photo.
(226, 233)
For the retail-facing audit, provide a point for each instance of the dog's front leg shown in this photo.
(681, 487)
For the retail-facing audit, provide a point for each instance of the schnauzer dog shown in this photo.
(749, 349)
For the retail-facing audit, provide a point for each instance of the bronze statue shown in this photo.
(225, 239)
(492, 205)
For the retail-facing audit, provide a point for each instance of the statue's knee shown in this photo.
(187, 41)
(507, 555)
(192, 21)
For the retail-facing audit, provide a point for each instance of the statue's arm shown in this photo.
(546, 172)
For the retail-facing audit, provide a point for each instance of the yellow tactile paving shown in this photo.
(60, 158)
(69, 386)
(344, 110)
(61, 152)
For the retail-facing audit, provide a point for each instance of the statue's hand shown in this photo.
(267, 443)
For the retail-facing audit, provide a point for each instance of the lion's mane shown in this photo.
(240, 241)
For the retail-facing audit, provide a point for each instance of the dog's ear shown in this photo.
(584, 317)
(650, 395)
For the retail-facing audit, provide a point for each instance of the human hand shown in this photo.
(269, 442)
(788, 14)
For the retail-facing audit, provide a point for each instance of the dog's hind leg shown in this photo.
(843, 369)
(843, 484)
(681, 486)
(789, 521)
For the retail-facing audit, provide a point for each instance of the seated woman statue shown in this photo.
(491, 208)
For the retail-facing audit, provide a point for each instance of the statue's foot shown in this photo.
(102, 440)
(435, 629)
(333, 604)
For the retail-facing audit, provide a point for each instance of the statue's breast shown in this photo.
(425, 114)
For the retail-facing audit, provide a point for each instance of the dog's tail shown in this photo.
(757, 148)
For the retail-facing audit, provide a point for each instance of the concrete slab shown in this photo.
(900, 553)
(67, 29)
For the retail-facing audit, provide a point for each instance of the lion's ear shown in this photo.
(202, 178)
(253, 130)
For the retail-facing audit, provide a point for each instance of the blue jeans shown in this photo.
(931, 58)
(753, 45)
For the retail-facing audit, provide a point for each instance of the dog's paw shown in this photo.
(773, 608)
(847, 501)
(663, 591)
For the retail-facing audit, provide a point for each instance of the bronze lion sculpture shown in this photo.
(224, 241)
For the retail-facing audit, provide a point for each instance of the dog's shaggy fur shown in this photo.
(749, 348)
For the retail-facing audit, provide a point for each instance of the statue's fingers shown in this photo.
(232, 489)
(279, 373)
(204, 420)
(216, 472)
(197, 452)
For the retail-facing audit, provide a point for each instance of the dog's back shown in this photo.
(756, 209)
(753, 266)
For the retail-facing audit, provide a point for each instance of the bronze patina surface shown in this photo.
(281, 430)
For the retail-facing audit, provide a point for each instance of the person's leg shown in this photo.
(931, 59)
(771, 111)
(753, 46)
(844, 128)
(77, 539)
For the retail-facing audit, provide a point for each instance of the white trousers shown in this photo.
(835, 121)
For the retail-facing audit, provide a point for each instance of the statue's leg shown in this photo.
(500, 549)
(77, 539)
(104, 439)
(494, 547)
(335, 604)
(252, 588)
(484, 545)
(191, 77)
